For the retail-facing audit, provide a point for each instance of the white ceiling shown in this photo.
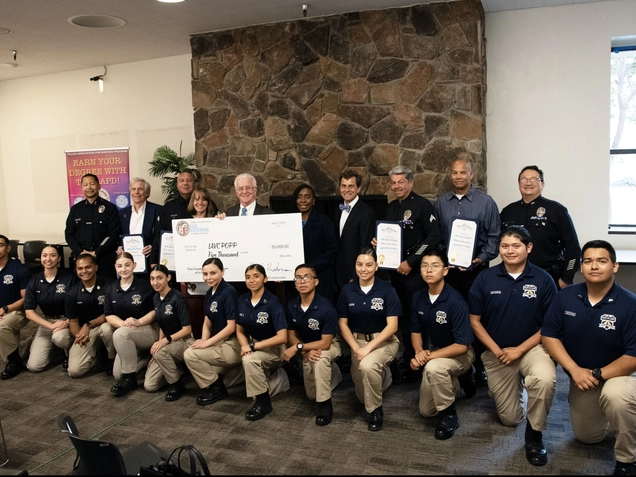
(47, 43)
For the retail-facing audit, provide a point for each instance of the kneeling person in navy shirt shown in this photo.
(507, 304)
(590, 330)
(312, 325)
(439, 315)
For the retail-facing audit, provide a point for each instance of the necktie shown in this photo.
(243, 211)
(345, 207)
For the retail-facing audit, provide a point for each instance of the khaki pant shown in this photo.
(10, 327)
(439, 382)
(82, 358)
(324, 375)
(505, 386)
(43, 348)
(63, 339)
(370, 375)
(132, 347)
(164, 366)
(262, 373)
(610, 407)
(223, 358)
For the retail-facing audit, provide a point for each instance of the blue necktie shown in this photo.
(244, 211)
(344, 207)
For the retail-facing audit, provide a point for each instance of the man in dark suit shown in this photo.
(141, 218)
(246, 188)
(354, 224)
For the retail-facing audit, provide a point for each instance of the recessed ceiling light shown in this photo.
(97, 21)
(171, 1)
(4, 31)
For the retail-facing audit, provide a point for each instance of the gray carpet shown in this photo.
(286, 441)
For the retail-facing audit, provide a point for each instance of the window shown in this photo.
(622, 186)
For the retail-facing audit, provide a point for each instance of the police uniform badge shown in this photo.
(440, 317)
(101, 209)
(377, 304)
(214, 307)
(136, 300)
(262, 317)
(168, 310)
(407, 214)
(540, 211)
(313, 324)
(60, 288)
(100, 300)
(608, 322)
(529, 291)
(8, 280)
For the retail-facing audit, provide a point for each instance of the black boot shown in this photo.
(324, 412)
(14, 366)
(262, 406)
(376, 419)
(127, 383)
(448, 423)
(535, 450)
(467, 383)
(175, 391)
(213, 393)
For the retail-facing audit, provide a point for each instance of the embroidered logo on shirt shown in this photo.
(213, 307)
(8, 280)
(168, 310)
(377, 304)
(60, 288)
(313, 324)
(441, 317)
(100, 300)
(529, 291)
(136, 300)
(262, 317)
(570, 313)
(608, 322)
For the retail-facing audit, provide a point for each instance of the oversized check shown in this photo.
(274, 240)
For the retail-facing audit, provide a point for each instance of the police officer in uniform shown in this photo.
(368, 311)
(47, 290)
(92, 227)
(441, 336)
(555, 243)
(590, 330)
(312, 327)
(129, 330)
(507, 304)
(14, 278)
(85, 311)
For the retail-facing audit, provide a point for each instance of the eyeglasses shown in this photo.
(304, 279)
(433, 266)
(532, 180)
(244, 189)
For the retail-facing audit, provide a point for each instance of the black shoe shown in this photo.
(376, 419)
(294, 373)
(467, 383)
(262, 407)
(481, 378)
(324, 413)
(625, 469)
(14, 366)
(127, 383)
(65, 364)
(175, 391)
(535, 450)
(213, 393)
(110, 363)
(447, 425)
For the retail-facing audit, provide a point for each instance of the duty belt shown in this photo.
(365, 336)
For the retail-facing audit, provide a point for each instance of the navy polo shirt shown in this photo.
(135, 302)
(171, 313)
(367, 313)
(319, 319)
(265, 319)
(49, 296)
(85, 306)
(220, 306)
(593, 336)
(14, 277)
(511, 310)
(445, 322)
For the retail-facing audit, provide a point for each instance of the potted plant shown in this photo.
(167, 165)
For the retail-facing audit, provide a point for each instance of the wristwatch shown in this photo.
(169, 338)
(87, 324)
(598, 374)
(299, 346)
(252, 346)
(6, 309)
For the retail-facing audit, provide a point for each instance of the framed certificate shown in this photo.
(134, 245)
(461, 245)
(166, 254)
(388, 236)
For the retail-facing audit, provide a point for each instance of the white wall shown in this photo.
(144, 105)
(548, 104)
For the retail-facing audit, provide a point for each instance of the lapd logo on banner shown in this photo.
(608, 322)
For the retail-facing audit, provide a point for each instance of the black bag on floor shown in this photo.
(174, 468)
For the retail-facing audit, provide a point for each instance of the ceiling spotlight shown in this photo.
(305, 8)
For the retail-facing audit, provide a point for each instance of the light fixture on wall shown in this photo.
(14, 63)
(305, 8)
(100, 80)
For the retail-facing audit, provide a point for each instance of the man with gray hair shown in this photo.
(246, 187)
(141, 217)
